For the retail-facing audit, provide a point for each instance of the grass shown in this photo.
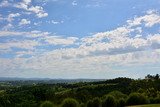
(148, 105)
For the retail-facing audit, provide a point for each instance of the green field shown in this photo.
(149, 105)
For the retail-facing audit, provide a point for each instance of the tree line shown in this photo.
(118, 92)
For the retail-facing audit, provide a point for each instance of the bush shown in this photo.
(82, 105)
(121, 103)
(109, 101)
(157, 100)
(46, 104)
(94, 103)
(27, 104)
(69, 102)
(137, 99)
(151, 100)
(89, 103)
(117, 94)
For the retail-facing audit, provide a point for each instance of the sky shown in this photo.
(71, 39)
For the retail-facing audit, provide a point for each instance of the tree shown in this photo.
(109, 101)
(82, 105)
(156, 77)
(39, 93)
(151, 92)
(49, 94)
(152, 77)
(89, 103)
(149, 77)
(121, 103)
(155, 100)
(117, 94)
(94, 103)
(46, 104)
(70, 102)
(136, 99)
(83, 95)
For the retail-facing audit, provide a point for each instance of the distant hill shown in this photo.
(17, 79)
(47, 80)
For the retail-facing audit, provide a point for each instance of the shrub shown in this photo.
(136, 99)
(27, 104)
(157, 100)
(89, 103)
(109, 101)
(117, 94)
(154, 100)
(70, 102)
(151, 100)
(121, 103)
(82, 105)
(94, 103)
(46, 104)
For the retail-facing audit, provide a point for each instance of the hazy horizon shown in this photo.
(95, 39)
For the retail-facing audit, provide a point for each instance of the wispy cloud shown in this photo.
(55, 22)
(31, 34)
(60, 41)
(25, 44)
(7, 27)
(4, 3)
(74, 3)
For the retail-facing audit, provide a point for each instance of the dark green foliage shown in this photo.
(70, 102)
(39, 93)
(109, 101)
(27, 104)
(83, 95)
(121, 103)
(117, 94)
(47, 104)
(96, 102)
(82, 105)
(89, 103)
(137, 99)
(152, 77)
(151, 100)
(155, 100)
(27, 94)
(49, 94)
(151, 92)
(4, 101)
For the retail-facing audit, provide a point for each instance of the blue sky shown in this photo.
(79, 38)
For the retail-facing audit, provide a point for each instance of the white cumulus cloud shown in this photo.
(26, 5)
(12, 16)
(125, 46)
(24, 22)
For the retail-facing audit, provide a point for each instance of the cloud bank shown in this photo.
(57, 56)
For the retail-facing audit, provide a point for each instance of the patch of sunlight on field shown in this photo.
(149, 105)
